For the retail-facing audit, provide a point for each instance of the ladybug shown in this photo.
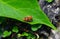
(28, 19)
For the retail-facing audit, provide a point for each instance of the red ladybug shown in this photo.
(28, 19)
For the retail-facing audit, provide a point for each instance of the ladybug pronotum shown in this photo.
(28, 19)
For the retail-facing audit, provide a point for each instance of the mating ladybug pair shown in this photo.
(28, 19)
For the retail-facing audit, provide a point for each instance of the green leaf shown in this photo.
(31, 36)
(15, 29)
(28, 35)
(25, 34)
(35, 27)
(6, 33)
(49, 1)
(19, 9)
(19, 35)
